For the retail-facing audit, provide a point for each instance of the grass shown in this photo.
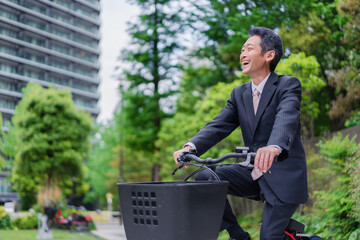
(57, 235)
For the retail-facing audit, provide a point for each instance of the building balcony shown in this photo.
(92, 111)
(9, 92)
(7, 110)
(90, 3)
(84, 92)
(44, 67)
(47, 51)
(94, 48)
(14, 38)
(9, 197)
(93, 18)
(66, 23)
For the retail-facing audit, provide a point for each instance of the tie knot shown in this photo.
(256, 92)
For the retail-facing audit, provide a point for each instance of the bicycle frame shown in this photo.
(294, 230)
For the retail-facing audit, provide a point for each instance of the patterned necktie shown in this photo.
(256, 99)
(256, 173)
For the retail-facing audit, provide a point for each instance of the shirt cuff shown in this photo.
(278, 147)
(190, 144)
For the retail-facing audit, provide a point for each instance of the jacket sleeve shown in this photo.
(287, 119)
(219, 128)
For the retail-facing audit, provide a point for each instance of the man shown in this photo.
(268, 111)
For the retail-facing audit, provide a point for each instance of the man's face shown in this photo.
(252, 61)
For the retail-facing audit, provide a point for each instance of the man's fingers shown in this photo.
(256, 160)
(269, 162)
(177, 153)
(265, 157)
(261, 161)
(266, 161)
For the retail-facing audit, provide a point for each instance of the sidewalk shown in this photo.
(110, 230)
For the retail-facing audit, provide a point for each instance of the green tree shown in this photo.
(330, 33)
(346, 80)
(111, 162)
(335, 214)
(105, 139)
(308, 71)
(222, 27)
(147, 84)
(52, 141)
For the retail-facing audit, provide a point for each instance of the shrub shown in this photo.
(5, 221)
(26, 222)
(336, 208)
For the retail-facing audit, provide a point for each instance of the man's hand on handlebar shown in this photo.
(177, 154)
(265, 157)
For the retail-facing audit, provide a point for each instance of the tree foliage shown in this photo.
(105, 140)
(335, 214)
(222, 27)
(52, 141)
(148, 73)
(329, 32)
(346, 80)
(148, 79)
(111, 162)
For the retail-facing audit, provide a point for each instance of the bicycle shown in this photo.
(294, 230)
(190, 210)
(73, 220)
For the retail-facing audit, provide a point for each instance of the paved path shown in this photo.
(110, 230)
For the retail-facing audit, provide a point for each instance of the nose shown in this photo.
(242, 55)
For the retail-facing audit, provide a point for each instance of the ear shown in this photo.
(270, 55)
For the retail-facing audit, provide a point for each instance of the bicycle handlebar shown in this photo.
(241, 152)
(186, 157)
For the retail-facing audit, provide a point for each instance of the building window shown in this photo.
(5, 186)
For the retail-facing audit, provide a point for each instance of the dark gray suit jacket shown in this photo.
(277, 122)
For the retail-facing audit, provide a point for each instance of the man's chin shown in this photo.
(245, 72)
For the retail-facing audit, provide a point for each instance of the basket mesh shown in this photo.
(144, 208)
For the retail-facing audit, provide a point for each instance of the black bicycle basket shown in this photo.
(172, 210)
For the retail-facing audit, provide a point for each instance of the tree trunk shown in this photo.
(156, 81)
(156, 173)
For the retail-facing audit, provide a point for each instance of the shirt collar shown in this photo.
(260, 87)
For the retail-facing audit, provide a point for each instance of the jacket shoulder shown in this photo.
(284, 80)
(242, 87)
(287, 78)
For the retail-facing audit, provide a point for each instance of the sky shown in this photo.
(114, 15)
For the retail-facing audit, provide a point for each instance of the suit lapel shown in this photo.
(248, 105)
(266, 96)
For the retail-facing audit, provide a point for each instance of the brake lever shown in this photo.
(247, 163)
(181, 159)
(181, 165)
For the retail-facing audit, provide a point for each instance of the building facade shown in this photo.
(52, 43)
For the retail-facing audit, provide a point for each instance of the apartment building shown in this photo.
(52, 43)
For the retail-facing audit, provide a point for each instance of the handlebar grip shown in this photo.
(183, 157)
